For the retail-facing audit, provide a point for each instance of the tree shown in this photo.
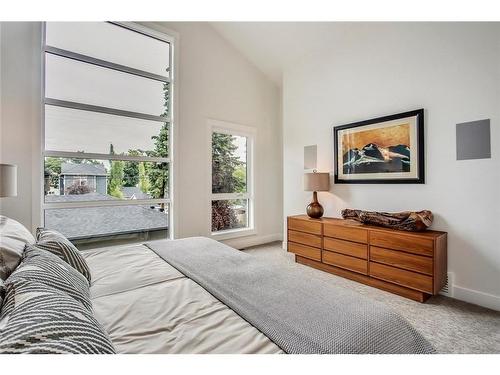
(223, 216)
(116, 192)
(166, 99)
(53, 170)
(158, 172)
(228, 176)
(158, 179)
(116, 175)
(240, 174)
(131, 173)
(131, 170)
(77, 189)
(143, 179)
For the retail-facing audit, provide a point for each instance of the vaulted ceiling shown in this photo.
(273, 46)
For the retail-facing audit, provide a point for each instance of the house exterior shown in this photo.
(93, 176)
(133, 192)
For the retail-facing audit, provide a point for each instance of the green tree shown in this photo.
(53, 170)
(143, 179)
(116, 175)
(131, 170)
(166, 99)
(228, 176)
(240, 175)
(157, 175)
(158, 172)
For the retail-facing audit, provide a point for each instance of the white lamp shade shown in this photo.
(317, 182)
(8, 180)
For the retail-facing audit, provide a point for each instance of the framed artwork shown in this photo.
(384, 150)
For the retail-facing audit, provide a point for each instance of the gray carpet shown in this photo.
(450, 325)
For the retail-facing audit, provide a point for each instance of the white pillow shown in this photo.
(13, 238)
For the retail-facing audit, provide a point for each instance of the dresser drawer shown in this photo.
(308, 226)
(304, 238)
(305, 251)
(347, 262)
(398, 276)
(346, 233)
(411, 244)
(399, 259)
(346, 247)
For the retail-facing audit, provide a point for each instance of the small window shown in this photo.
(231, 178)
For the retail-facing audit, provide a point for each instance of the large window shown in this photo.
(107, 130)
(231, 179)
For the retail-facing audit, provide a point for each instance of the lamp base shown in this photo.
(314, 209)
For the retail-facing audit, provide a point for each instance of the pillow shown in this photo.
(44, 320)
(59, 245)
(2, 293)
(13, 237)
(46, 268)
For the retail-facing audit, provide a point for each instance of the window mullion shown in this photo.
(85, 155)
(107, 203)
(228, 196)
(105, 110)
(105, 64)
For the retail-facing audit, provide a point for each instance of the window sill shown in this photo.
(233, 233)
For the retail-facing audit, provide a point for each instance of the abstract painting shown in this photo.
(387, 149)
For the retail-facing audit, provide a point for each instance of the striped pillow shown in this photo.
(46, 268)
(59, 245)
(2, 292)
(43, 320)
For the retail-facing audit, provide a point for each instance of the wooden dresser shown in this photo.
(411, 264)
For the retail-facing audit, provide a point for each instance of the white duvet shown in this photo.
(147, 306)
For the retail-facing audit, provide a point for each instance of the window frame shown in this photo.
(164, 36)
(224, 127)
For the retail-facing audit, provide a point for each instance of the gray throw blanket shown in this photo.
(300, 316)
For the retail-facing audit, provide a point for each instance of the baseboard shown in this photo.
(244, 242)
(476, 297)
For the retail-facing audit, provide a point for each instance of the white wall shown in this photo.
(20, 112)
(214, 82)
(451, 70)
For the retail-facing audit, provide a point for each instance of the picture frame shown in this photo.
(382, 150)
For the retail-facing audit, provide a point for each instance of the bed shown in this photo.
(147, 306)
(197, 295)
(192, 295)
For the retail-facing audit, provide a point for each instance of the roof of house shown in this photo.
(86, 169)
(78, 197)
(85, 222)
(134, 191)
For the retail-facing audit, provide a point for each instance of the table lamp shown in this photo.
(8, 180)
(316, 182)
